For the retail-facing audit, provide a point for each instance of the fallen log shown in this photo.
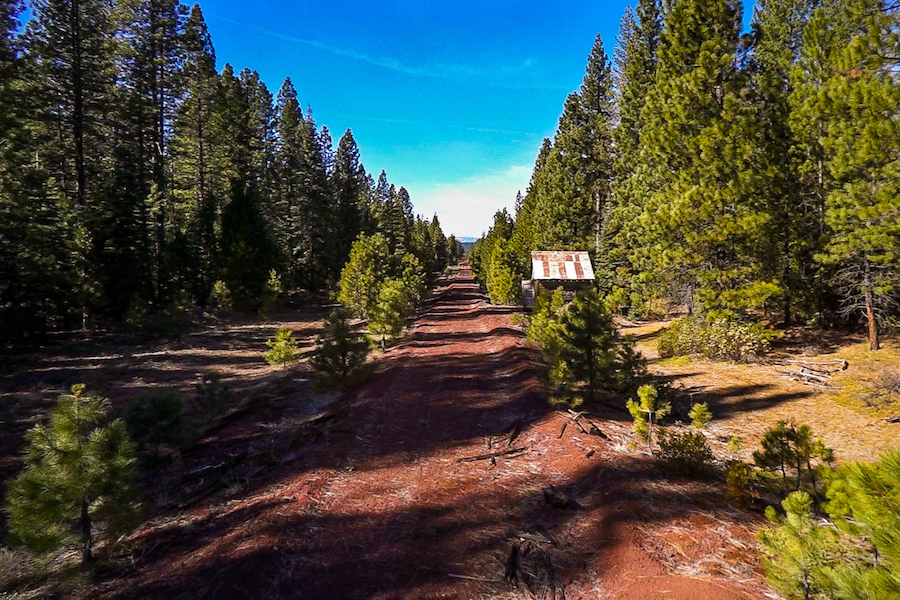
(489, 455)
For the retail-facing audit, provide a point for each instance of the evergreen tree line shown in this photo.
(134, 174)
(726, 173)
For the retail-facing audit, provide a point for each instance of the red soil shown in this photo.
(386, 510)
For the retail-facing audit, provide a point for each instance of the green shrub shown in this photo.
(271, 299)
(220, 296)
(700, 415)
(342, 354)
(212, 396)
(792, 453)
(79, 470)
(156, 419)
(735, 444)
(173, 320)
(738, 482)
(543, 327)
(282, 349)
(720, 339)
(685, 453)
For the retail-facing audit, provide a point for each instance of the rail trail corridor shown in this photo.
(450, 476)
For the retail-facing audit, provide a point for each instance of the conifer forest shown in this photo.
(235, 363)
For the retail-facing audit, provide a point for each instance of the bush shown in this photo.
(282, 349)
(685, 453)
(721, 339)
(737, 482)
(212, 395)
(78, 470)
(342, 353)
(156, 420)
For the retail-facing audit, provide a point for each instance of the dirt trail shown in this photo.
(387, 510)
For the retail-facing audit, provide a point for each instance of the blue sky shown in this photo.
(451, 99)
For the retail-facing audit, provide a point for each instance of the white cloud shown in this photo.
(466, 208)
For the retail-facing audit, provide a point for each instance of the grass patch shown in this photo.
(859, 382)
(675, 361)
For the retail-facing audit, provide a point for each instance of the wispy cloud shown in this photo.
(492, 76)
(467, 208)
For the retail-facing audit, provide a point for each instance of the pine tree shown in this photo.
(788, 449)
(70, 44)
(319, 266)
(651, 409)
(387, 317)
(777, 28)
(251, 252)
(592, 355)
(572, 184)
(79, 471)
(502, 280)
(364, 273)
(350, 186)
(706, 224)
(292, 225)
(635, 74)
(37, 240)
(199, 185)
(152, 55)
(861, 146)
(865, 505)
(342, 353)
(797, 549)
(414, 279)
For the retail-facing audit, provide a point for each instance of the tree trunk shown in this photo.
(869, 292)
(85, 533)
(77, 102)
(598, 218)
(786, 272)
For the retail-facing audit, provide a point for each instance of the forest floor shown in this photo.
(383, 493)
(745, 399)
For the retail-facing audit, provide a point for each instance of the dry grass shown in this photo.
(746, 399)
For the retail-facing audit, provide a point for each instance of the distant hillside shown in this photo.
(466, 242)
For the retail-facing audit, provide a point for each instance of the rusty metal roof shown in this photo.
(561, 265)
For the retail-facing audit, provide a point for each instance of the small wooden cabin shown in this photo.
(550, 269)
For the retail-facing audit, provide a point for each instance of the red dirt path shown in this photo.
(387, 511)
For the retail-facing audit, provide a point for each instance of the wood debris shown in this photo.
(508, 453)
(815, 373)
